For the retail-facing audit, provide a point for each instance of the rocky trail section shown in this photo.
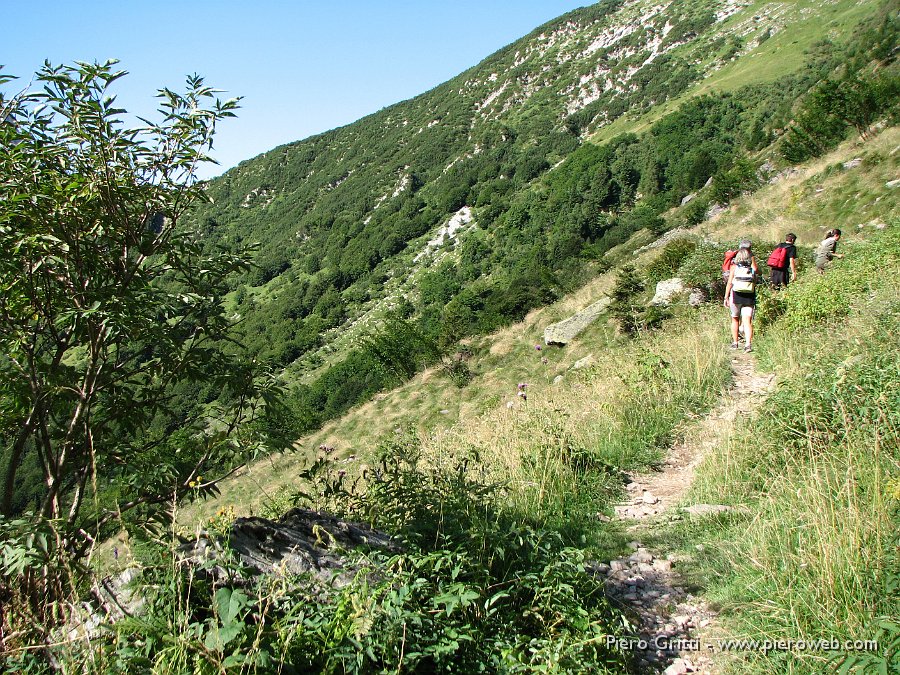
(670, 620)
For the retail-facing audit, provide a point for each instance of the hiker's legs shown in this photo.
(735, 322)
(780, 278)
(747, 316)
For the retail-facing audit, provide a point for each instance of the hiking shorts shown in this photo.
(743, 305)
(781, 277)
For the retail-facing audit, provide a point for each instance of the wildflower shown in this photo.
(538, 347)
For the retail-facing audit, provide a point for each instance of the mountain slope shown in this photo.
(465, 207)
(807, 488)
(814, 197)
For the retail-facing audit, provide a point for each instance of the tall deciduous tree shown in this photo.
(109, 305)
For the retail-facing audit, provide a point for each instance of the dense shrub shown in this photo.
(475, 589)
(703, 268)
(835, 106)
(387, 357)
(830, 296)
(694, 212)
(730, 183)
(667, 263)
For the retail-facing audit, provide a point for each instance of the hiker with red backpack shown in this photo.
(740, 294)
(783, 262)
(726, 265)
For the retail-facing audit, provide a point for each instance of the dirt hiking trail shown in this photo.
(673, 626)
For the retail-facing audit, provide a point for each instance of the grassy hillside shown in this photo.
(387, 242)
(429, 408)
(810, 556)
(343, 216)
(501, 506)
(818, 196)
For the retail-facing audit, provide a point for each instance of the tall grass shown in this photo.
(562, 451)
(818, 559)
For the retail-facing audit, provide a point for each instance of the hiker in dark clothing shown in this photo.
(783, 262)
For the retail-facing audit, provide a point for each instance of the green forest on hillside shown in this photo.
(539, 233)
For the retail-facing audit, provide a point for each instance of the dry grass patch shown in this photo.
(596, 409)
(819, 196)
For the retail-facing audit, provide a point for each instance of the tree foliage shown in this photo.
(111, 325)
(626, 306)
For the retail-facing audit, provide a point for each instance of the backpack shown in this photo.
(744, 279)
(729, 256)
(778, 257)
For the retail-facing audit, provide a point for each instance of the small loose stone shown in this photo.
(641, 556)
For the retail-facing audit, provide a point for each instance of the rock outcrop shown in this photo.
(667, 290)
(707, 509)
(668, 237)
(697, 297)
(300, 542)
(715, 210)
(563, 332)
(583, 363)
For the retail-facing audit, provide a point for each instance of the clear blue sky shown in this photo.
(302, 67)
